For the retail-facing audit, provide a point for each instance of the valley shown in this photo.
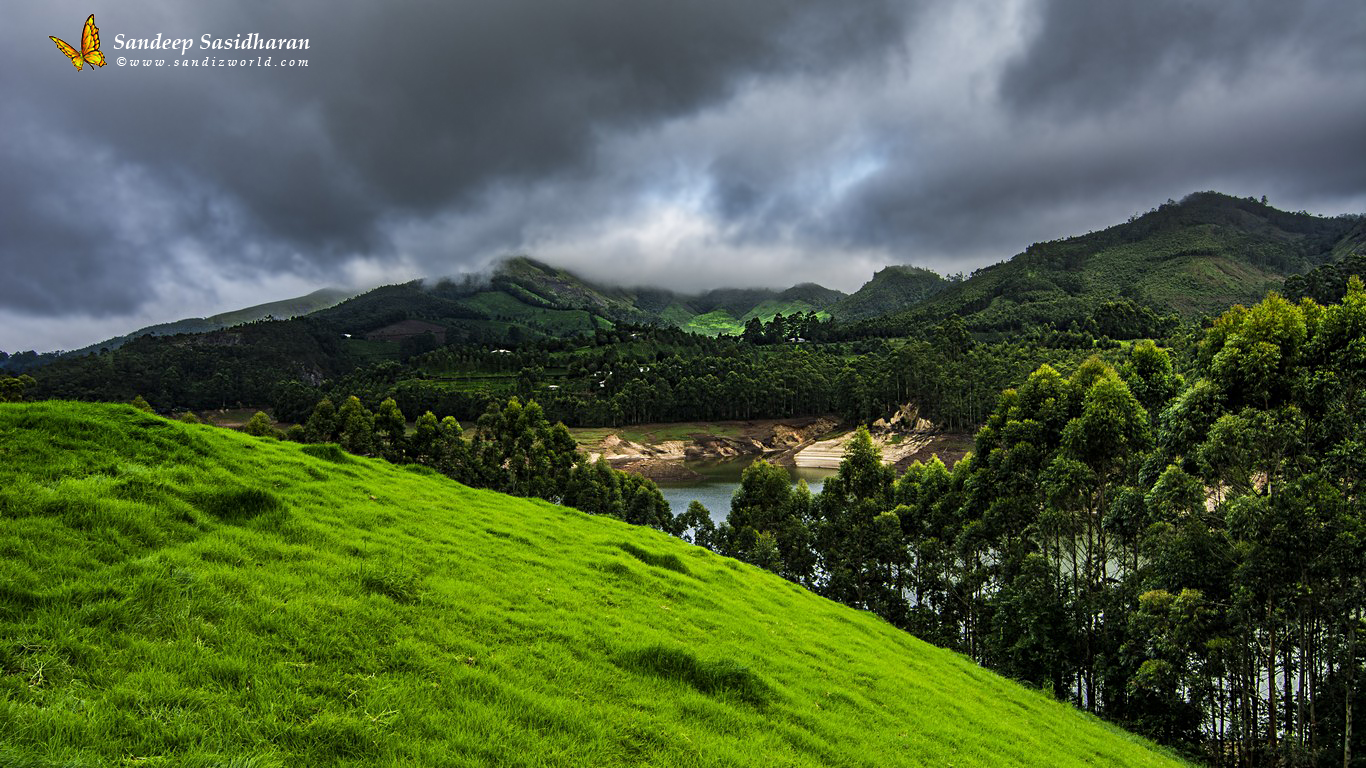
(1080, 482)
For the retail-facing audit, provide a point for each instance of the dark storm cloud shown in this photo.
(1113, 107)
(1090, 56)
(696, 144)
(1098, 112)
(522, 91)
(406, 109)
(35, 234)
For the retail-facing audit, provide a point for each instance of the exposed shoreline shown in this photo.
(662, 451)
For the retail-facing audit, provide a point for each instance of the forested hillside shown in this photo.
(277, 310)
(1182, 554)
(891, 289)
(1190, 258)
(1172, 539)
(525, 299)
(1167, 534)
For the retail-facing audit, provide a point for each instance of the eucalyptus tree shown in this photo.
(768, 524)
(852, 535)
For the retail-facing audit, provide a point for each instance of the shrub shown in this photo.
(260, 425)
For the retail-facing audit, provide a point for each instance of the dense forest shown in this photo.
(645, 375)
(626, 375)
(1183, 555)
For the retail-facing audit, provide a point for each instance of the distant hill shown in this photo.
(891, 289)
(1138, 279)
(203, 598)
(726, 310)
(1327, 284)
(531, 299)
(541, 285)
(815, 295)
(1191, 259)
(279, 310)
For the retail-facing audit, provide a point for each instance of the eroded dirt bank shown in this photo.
(654, 443)
(659, 451)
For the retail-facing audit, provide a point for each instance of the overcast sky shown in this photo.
(692, 144)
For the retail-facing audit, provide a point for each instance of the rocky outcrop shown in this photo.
(903, 437)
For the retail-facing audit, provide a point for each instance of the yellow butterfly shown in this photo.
(90, 46)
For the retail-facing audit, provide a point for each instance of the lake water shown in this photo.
(720, 478)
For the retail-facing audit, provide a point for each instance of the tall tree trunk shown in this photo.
(1253, 701)
(1313, 683)
(1088, 584)
(1287, 654)
(1351, 686)
(1271, 692)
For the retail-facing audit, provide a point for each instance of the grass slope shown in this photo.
(714, 323)
(182, 595)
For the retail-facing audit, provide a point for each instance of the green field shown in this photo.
(183, 595)
(657, 433)
(476, 382)
(714, 323)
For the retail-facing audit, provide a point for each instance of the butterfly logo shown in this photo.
(90, 46)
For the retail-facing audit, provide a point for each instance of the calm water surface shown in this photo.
(720, 478)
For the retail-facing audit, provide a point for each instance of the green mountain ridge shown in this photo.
(531, 296)
(890, 289)
(1191, 258)
(1140, 279)
(279, 310)
(200, 597)
(1187, 259)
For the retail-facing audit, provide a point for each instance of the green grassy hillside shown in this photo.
(181, 595)
(713, 323)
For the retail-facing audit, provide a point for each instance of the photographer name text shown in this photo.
(207, 42)
(184, 45)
